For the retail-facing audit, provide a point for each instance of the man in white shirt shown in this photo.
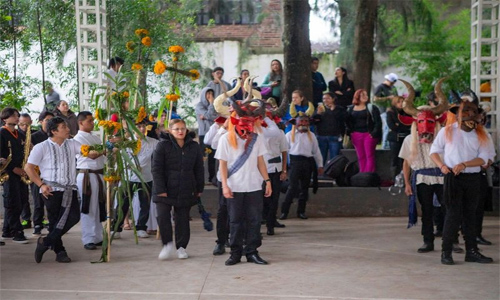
(90, 184)
(143, 187)
(276, 159)
(56, 159)
(304, 156)
(242, 172)
(465, 148)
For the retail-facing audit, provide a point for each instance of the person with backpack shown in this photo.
(364, 126)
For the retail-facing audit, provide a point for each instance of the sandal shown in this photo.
(126, 226)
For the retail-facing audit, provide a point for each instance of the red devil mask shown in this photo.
(426, 125)
(243, 126)
(302, 123)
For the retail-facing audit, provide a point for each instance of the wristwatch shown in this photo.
(268, 180)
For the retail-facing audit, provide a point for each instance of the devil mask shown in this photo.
(469, 116)
(244, 126)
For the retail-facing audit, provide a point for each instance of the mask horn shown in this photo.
(443, 101)
(408, 105)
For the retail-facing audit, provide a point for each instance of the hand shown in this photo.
(46, 191)
(275, 83)
(19, 171)
(283, 176)
(338, 93)
(408, 190)
(459, 168)
(444, 169)
(162, 195)
(93, 154)
(226, 191)
(321, 109)
(2, 160)
(202, 117)
(320, 171)
(269, 189)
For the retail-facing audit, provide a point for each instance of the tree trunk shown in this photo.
(42, 59)
(364, 43)
(347, 13)
(297, 48)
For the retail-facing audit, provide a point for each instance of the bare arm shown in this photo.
(406, 174)
(35, 178)
(437, 160)
(226, 191)
(261, 164)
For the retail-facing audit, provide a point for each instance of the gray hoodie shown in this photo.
(205, 109)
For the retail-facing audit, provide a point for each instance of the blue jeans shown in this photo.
(329, 144)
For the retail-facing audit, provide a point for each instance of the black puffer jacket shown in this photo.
(177, 171)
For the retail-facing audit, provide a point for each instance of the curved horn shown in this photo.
(219, 106)
(282, 109)
(248, 89)
(408, 106)
(443, 101)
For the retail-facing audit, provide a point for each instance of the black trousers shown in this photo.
(55, 212)
(461, 195)
(481, 203)
(245, 212)
(38, 205)
(210, 159)
(26, 212)
(425, 195)
(182, 229)
(15, 194)
(270, 208)
(299, 177)
(222, 226)
(144, 201)
(397, 162)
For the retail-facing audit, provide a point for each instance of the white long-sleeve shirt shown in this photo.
(82, 162)
(304, 146)
(276, 145)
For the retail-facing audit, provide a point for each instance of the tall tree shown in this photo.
(364, 43)
(297, 48)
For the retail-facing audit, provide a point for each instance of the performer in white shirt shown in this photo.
(242, 172)
(90, 184)
(56, 159)
(304, 157)
(276, 161)
(465, 147)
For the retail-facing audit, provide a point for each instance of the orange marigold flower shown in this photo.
(175, 49)
(146, 41)
(97, 114)
(141, 114)
(84, 149)
(138, 146)
(160, 67)
(141, 31)
(125, 94)
(151, 118)
(194, 74)
(130, 46)
(172, 97)
(136, 67)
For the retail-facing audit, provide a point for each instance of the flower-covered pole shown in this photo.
(144, 42)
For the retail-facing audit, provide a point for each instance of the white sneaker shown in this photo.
(117, 235)
(142, 234)
(166, 251)
(181, 253)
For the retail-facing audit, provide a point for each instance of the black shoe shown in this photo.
(8, 235)
(26, 224)
(438, 233)
(302, 216)
(474, 256)
(98, 244)
(283, 216)
(279, 225)
(219, 249)
(62, 257)
(38, 230)
(232, 261)
(256, 259)
(270, 231)
(457, 249)
(40, 250)
(263, 222)
(20, 238)
(446, 258)
(90, 246)
(481, 241)
(2, 243)
(426, 247)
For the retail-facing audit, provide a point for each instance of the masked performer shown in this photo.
(426, 179)
(305, 156)
(242, 172)
(465, 147)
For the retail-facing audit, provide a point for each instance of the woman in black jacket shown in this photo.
(398, 132)
(177, 182)
(342, 87)
(365, 128)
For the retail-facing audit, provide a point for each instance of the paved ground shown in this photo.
(328, 258)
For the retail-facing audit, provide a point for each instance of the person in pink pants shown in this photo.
(365, 128)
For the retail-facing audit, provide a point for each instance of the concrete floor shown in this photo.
(319, 258)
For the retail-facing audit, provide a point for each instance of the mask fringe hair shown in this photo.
(293, 134)
(232, 133)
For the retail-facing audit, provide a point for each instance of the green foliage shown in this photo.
(428, 54)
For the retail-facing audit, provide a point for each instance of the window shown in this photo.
(225, 12)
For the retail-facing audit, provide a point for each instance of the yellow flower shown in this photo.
(97, 114)
(113, 94)
(138, 146)
(141, 115)
(194, 74)
(146, 41)
(175, 49)
(151, 118)
(125, 94)
(130, 46)
(175, 58)
(136, 67)
(208, 150)
(160, 67)
(172, 97)
(111, 178)
(84, 149)
(141, 31)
